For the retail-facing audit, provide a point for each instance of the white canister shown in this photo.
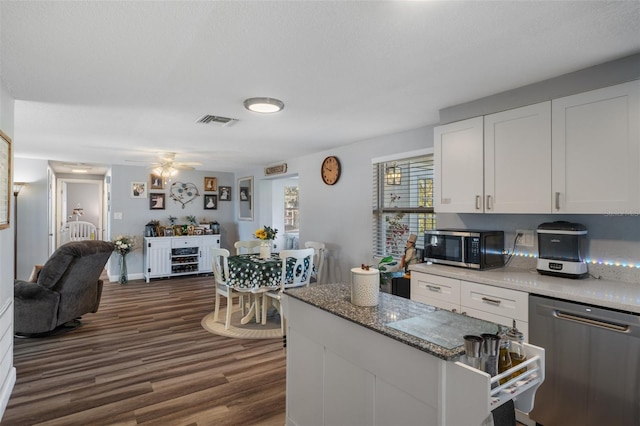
(365, 286)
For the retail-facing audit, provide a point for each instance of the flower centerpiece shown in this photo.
(123, 245)
(266, 234)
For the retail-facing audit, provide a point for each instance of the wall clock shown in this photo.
(330, 170)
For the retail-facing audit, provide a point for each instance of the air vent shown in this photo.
(216, 119)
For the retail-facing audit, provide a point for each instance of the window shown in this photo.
(402, 204)
(291, 214)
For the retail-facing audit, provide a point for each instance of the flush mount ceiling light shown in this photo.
(264, 105)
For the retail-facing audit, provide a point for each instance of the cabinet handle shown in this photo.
(433, 287)
(478, 201)
(494, 301)
(489, 203)
(557, 201)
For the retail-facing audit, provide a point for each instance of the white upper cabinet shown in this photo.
(517, 160)
(459, 169)
(500, 163)
(596, 151)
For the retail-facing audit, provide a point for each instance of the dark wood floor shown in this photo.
(144, 358)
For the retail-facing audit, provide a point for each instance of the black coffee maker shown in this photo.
(562, 249)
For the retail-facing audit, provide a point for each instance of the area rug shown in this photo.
(251, 330)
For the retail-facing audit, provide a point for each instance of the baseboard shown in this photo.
(114, 278)
(7, 389)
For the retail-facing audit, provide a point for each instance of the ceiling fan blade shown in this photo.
(182, 166)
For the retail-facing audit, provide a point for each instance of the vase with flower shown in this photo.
(123, 244)
(266, 234)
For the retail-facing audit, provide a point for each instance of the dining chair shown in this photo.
(300, 276)
(249, 246)
(318, 257)
(80, 231)
(221, 275)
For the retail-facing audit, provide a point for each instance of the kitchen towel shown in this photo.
(505, 415)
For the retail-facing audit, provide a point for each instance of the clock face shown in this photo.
(330, 170)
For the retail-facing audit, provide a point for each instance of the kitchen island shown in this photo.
(392, 364)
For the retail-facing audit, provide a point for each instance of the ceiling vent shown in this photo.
(216, 119)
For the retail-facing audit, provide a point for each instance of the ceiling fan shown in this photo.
(167, 166)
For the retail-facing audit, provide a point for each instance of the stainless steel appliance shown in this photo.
(466, 248)
(562, 249)
(592, 360)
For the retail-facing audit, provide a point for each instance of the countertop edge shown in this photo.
(341, 307)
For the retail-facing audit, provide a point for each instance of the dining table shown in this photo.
(251, 274)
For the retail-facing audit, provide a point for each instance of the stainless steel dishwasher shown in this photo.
(592, 364)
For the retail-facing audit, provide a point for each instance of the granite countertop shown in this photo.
(599, 292)
(432, 330)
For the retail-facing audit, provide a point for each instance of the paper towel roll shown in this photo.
(365, 286)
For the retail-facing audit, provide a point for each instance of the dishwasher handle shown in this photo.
(623, 328)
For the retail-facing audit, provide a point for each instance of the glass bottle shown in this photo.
(504, 360)
(516, 348)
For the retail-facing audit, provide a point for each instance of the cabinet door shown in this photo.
(157, 257)
(517, 160)
(596, 151)
(206, 244)
(458, 151)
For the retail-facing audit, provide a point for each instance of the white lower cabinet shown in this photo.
(434, 290)
(174, 256)
(339, 372)
(496, 304)
(486, 302)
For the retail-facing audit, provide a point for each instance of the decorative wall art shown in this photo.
(156, 182)
(225, 193)
(210, 202)
(210, 184)
(138, 190)
(5, 179)
(156, 201)
(183, 193)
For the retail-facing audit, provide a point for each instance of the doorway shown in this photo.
(79, 199)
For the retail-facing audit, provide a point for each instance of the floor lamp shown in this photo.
(17, 186)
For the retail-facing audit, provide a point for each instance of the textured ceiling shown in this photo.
(109, 82)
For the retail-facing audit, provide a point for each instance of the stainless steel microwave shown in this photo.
(465, 248)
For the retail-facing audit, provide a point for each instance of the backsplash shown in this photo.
(606, 272)
(611, 239)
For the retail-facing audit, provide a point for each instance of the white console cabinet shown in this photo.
(175, 256)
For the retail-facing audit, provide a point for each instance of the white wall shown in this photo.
(8, 372)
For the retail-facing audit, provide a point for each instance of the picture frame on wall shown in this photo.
(210, 202)
(157, 201)
(244, 193)
(225, 193)
(5, 179)
(138, 190)
(210, 184)
(156, 182)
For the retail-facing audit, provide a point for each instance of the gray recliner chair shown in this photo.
(67, 287)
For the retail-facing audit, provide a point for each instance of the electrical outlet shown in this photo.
(525, 237)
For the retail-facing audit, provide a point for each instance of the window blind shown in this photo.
(402, 204)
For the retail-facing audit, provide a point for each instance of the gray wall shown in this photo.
(339, 215)
(136, 212)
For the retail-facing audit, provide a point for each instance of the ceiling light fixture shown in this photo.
(394, 175)
(264, 105)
